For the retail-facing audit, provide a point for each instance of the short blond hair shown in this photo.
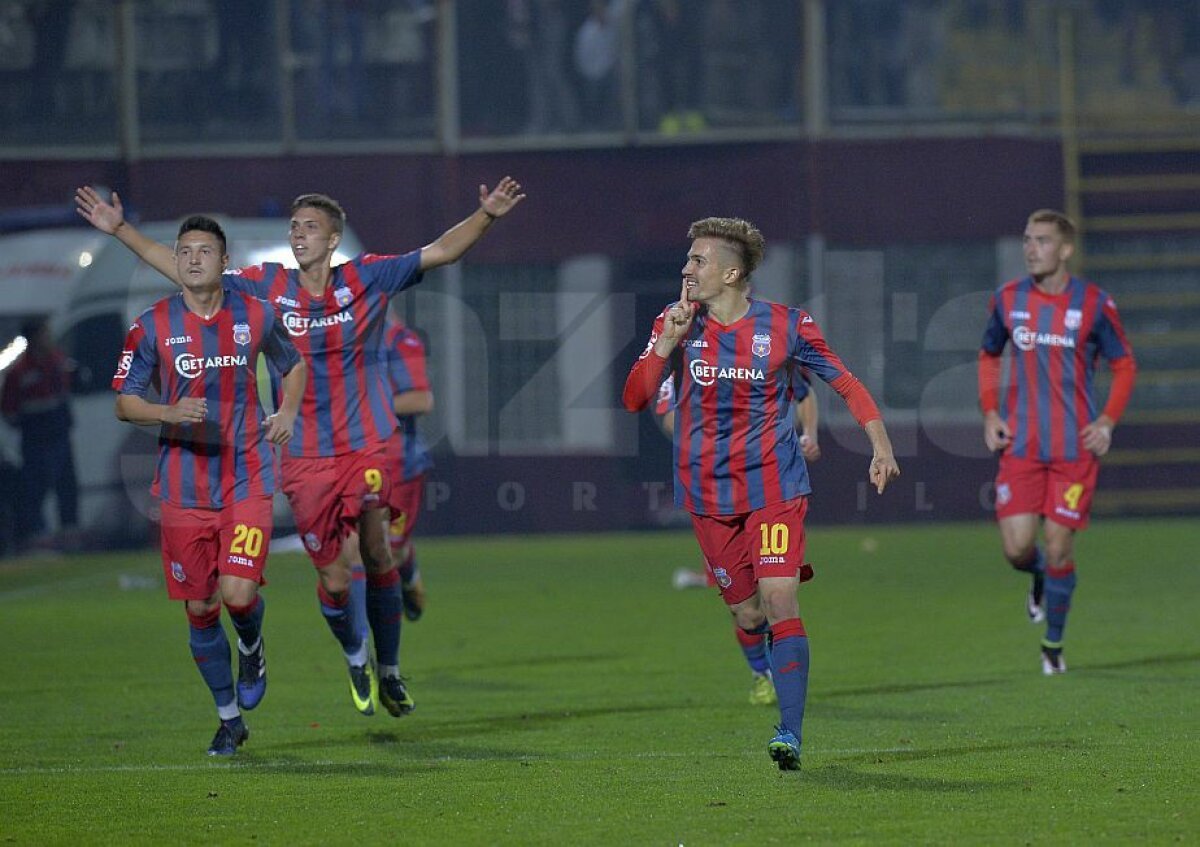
(740, 235)
(1066, 227)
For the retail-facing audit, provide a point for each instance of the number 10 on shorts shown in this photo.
(774, 539)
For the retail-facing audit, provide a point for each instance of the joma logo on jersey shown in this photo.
(300, 325)
(179, 339)
(287, 301)
(705, 374)
(1026, 339)
(189, 366)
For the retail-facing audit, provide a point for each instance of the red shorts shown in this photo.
(201, 545)
(742, 549)
(405, 504)
(328, 494)
(1060, 491)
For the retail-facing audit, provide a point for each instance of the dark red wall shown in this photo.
(620, 202)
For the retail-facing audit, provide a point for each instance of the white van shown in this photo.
(115, 461)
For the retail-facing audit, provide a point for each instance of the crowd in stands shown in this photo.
(369, 68)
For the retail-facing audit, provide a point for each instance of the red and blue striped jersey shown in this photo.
(226, 459)
(1056, 340)
(735, 445)
(404, 358)
(347, 405)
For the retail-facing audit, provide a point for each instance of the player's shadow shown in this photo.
(1143, 662)
(845, 778)
(528, 721)
(524, 661)
(884, 757)
(418, 759)
(910, 687)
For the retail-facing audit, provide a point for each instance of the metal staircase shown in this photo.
(1133, 186)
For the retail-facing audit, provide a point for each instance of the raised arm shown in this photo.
(110, 218)
(454, 242)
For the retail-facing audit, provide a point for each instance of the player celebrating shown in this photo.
(216, 470)
(1048, 434)
(408, 456)
(739, 469)
(753, 644)
(334, 470)
(408, 460)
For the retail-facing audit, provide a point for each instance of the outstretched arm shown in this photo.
(454, 242)
(110, 218)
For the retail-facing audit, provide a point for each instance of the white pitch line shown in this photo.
(243, 764)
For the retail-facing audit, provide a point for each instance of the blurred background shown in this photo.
(889, 151)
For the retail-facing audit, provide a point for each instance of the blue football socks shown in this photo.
(789, 671)
(383, 611)
(210, 649)
(1060, 584)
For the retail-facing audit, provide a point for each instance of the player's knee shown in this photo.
(203, 613)
(1020, 554)
(335, 578)
(1057, 555)
(377, 556)
(241, 595)
(750, 618)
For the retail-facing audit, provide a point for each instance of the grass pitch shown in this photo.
(567, 694)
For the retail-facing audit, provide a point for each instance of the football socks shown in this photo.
(383, 611)
(1060, 584)
(210, 649)
(789, 670)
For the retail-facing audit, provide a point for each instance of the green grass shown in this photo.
(568, 695)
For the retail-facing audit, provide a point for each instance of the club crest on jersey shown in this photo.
(343, 296)
(1074, 319)
(760, 345)
(1003, 494)
(177, 572)
(241, 334)
(722, 577)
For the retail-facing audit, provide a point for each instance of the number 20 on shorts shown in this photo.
(247, 541)
(774, 539)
